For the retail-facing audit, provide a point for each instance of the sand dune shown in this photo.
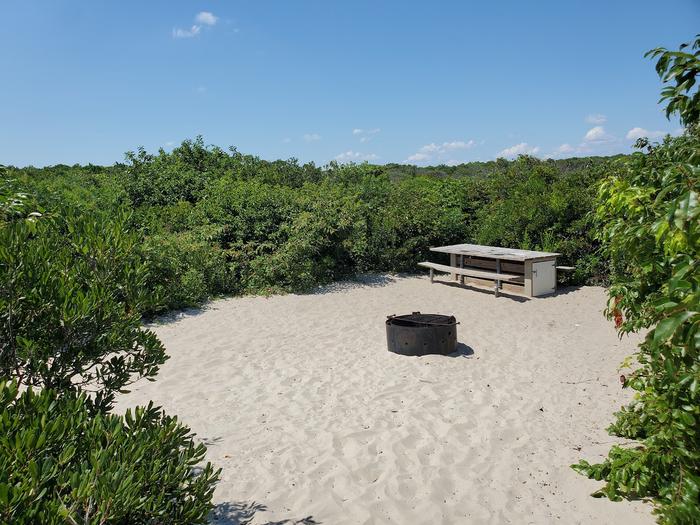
(313, 421)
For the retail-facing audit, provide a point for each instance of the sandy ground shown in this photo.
(314, 421)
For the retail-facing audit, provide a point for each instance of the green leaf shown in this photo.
(666, 328)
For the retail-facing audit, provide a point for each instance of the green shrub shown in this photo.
(532, 206)
(167, 178)
(72, 290)
(318, 242)
(648, 215)
(184, 270)
(62, 464)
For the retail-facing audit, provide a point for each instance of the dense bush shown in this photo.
(71, 297)
(72, 290)
(219, 222)
(648, 214)
(62, 464)
(255, 226)
(530, 205)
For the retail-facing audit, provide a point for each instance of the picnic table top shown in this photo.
(495, 252)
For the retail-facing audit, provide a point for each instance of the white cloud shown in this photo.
(365, 134)
(565, 148)
(202, 18)
(186, 33)
(355, 156)
(417, 157)
(446, 146)
(438, 151)
(638, 133)
(453, 162)
(597, 135)
(596, 118)
(311, 137)
(519, 149)
(561, 151)
(201, 90)
(286, 140)
(206, 18)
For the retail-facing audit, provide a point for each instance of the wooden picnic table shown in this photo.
(538, 269)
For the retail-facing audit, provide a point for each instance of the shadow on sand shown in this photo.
(561, 290)
(462, 351)
(359, 281)
(488, 291)
(176, 315)
(564, 290)
(240, 513)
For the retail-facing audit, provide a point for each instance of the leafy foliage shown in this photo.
(532, 206)
(62, 464)
(71, 296)
(648, 215)
(682, 68)
(219, 222)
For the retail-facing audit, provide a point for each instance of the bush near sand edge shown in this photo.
(71, 299)
(61, 464)
(648, 214)
(70, 324)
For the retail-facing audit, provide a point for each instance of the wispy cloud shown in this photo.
(203, 18)
(311, 137)
(355, 156)
(596, 118)
(365, 134)
(286, 140)
(565, 148)
(418, 157)
(519, 149)
(435, 151)
(206, 18)
(638, 133)
(186, 33)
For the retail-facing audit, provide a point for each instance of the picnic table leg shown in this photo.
(431, 275)
(498, 270)
(527, 278)
(453, 262)
(461, 265)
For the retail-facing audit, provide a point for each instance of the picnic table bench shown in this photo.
(497, 278)
(532, 273)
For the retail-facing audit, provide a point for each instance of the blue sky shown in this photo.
(384, 81)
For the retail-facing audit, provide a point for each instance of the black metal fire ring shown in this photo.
(421, 334)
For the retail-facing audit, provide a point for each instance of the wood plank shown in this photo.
(490, 264)
(495, 252)
(471, 272)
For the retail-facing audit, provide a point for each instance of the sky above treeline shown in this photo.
(83, 81)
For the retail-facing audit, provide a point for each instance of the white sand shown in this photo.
(309, 415)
